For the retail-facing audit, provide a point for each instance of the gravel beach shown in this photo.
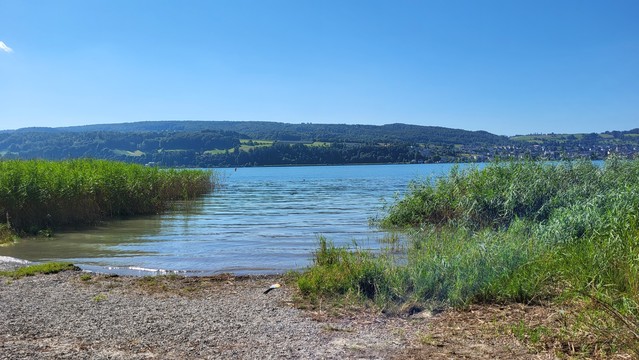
(69, 315)
(76, 315)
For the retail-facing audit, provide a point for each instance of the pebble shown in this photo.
(60, 316)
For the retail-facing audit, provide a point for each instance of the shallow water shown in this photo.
(262, 220)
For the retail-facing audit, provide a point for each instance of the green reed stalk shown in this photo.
(516, 231)
(37, 194)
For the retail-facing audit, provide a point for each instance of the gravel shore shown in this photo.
(77, 315)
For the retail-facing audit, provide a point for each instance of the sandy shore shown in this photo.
(74, 315)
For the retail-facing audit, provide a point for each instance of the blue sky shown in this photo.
(508, 67)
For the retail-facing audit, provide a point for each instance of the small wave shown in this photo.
(129, 270)
(9, 259)
(160, 271)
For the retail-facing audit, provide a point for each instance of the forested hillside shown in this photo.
(228, 143)
(310, 132)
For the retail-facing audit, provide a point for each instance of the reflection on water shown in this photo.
(97, 242)
(263, 220)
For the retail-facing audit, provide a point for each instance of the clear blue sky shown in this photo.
(508, 67)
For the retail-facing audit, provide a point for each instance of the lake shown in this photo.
(261, 220)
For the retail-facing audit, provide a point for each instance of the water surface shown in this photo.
(262, 220)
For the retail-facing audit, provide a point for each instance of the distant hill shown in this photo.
(309, 132)
(255, 143)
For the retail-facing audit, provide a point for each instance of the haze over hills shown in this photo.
(255, 143)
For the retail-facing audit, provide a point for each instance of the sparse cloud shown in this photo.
(5, 48)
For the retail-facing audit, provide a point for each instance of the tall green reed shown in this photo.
(39, 194)
(515, 231)
(518, 231)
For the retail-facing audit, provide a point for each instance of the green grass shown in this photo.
(339, 271)
(526, 232)
(248, 144)
(100, 297)
(542, 138)
(46, 268)
(319, 144)
(532, 334)
(136, 153)
(40, 195)
(257, 142)
(218, 151)
(496, 195)
(6, 235)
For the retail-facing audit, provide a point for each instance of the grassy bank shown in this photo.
(512, 232)
(38, 195)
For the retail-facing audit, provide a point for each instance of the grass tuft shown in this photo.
(46, 268)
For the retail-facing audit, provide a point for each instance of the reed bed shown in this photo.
(38, 195)
(527, 231)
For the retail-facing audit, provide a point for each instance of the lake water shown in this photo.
(262, 220)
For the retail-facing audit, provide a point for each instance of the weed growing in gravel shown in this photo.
(532, 334)
(100, 297)
(46, 268)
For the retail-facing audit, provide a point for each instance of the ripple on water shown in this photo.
(262, 220)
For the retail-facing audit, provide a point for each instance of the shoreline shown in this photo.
(8, 263)
(74, 314)
(11, 263)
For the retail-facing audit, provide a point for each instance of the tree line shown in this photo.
(218, 144)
